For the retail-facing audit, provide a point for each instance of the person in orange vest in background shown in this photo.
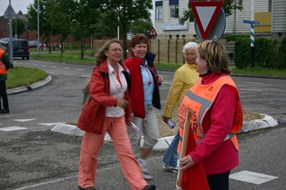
(216, 116)
(5, 64)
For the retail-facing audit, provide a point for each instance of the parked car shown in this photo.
(34, 44)
(20, 48)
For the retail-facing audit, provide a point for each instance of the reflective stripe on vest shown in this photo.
(198, 100)
(2, 65)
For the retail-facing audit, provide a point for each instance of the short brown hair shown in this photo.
(215, 55)
(138, 39)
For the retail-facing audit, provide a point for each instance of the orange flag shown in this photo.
(193, 178)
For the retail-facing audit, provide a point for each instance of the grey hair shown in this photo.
(190, 45)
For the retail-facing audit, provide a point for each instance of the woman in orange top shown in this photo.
(216, 117)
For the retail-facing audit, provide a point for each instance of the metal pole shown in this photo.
(38, 27)
(252, 45)
(10, 35)
(118, 29)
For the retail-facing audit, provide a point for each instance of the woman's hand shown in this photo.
(165, 118)
(186, 162)
(128, 121)
(160, 79)
(121, 102)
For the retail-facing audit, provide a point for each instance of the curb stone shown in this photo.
(31, 86)
(164, 142)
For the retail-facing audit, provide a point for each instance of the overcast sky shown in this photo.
(17, 5)
(22, 5)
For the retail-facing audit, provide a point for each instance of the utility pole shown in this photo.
(38, 27)
(10, 33)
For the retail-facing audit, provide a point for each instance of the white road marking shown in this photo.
(251, 90)
(24, 120)
(252, 177)
(62, 179)
(14, 128)
(256, 83)
(48, 124)
(80, 69)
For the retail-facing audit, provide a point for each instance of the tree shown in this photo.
(141, 26)
(59, 17)
(228, 6)
(45, 25)
(124, 12)
(84, 19)
(18, 27)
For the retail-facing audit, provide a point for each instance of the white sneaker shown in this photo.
(170, 168)
(144, 168)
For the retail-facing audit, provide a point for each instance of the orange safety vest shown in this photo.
(198, 100)
(2, 65)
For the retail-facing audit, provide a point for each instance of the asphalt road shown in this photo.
(36, 158)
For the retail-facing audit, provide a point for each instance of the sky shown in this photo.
(23, 4)
(17, 5)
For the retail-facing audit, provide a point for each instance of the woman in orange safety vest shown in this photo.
(216, 116)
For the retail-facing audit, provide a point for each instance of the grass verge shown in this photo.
(20, 76)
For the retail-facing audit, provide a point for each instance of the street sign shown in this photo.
(217, 30)
(9, 11)
(152, 32)
(250, 22)
(206, 13)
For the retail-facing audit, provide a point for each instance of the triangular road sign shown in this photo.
(152, 32)
(9, 11)
(206, 14)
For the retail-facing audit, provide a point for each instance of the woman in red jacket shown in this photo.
(108, 110)
(216, 116)
(144, 94)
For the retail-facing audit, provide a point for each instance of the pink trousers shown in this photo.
(90, 148)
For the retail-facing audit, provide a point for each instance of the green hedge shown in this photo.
(269, 53)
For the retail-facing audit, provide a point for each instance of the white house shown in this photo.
(270, 13)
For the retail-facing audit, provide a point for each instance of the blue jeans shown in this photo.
(170, 157)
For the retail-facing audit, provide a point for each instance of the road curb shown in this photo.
(164, 142)
(31, 86)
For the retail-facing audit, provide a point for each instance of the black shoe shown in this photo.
(86, 188)
(4, 110)
(149, 187)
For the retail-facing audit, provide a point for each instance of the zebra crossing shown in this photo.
(16, 124)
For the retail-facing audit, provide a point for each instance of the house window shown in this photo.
(159, 10)
(174, 8)
(174, 11)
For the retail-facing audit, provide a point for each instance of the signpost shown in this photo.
(206, 14)
(9, 14)
(252, 34)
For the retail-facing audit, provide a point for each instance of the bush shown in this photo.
(265, 49)
(242, 53)
(268, 52)
(282, 55)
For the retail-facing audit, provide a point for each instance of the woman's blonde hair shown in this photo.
(215, 55)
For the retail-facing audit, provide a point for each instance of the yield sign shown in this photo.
(206, 13)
